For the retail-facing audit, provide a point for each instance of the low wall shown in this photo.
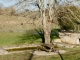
(71, 38)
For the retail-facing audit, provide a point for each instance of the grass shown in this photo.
(29, 37)
(71, 54)
(12, 38)
(8, 38)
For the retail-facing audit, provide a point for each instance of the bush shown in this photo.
(7, 11)
(69, 17)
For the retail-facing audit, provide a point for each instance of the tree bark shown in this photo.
(47, 29)
(47, 20)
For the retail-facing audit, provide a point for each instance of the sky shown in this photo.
(8, 3)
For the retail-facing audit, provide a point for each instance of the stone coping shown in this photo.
(20, 46)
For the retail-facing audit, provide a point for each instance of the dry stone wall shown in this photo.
(71, 38)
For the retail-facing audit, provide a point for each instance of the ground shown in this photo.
(71, 54)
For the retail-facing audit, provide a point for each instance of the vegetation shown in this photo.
(7, 11)
(29, 37)
(8, 38)
(69, 17)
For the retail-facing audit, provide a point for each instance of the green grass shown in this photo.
(8, 38)
(29, 37)
(11, 38)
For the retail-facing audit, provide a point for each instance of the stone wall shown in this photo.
(71, 38)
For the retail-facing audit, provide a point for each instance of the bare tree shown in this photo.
(46, 13)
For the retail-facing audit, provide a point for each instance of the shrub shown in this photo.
(7, 11)
(69, 17)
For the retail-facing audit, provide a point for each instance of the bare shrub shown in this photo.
(1, 10)
(7, 11)
(68, 17)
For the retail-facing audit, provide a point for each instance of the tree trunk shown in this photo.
(47, 32)
(47, 20)
(47, 29)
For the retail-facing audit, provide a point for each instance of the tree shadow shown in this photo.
(60, 55)
(36, 35)
(78, 59)
(30, 36)
(54, 34)
(41, 34)
(31, 56)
